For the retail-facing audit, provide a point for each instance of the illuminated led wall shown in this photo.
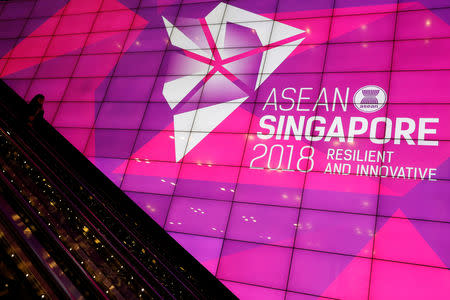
(297, 149)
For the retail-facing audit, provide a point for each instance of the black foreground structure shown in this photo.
(67, 232)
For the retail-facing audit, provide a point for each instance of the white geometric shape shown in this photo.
(213, 91)
(216, 15)
(209, 118)
(174, 91)
(179, 39)
(206, 119)
(263, 28)
(238, 15)
(182, 124)
(282, 31)
(274, 58)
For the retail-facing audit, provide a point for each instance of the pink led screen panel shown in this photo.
(297, 149)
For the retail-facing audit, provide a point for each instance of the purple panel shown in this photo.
(291, 9)
(139, 64)
(105, 42)
(220, 184)
(113, 21)
(160, 3)
(95, 65)
(408, 5)
(411, 199)
(11, 29)
(20, 86)
(82, 6)
(173, 59)
(6, 45)
(329, 275)
(410, 246)
(150, 177)
(361, 28)
(311, 57)
(359, 57)
(120, 115)
(156, 206)
(269, 187)
(60, 44)
(75, 24)
(348, 193)
(2, 64)
(248, 292)
(266, 8)
(205, 249)
(13, 65)
(112, 5)
(37, 51)
(111, 143)
(404, 281)
(298, 296)
(61, 66)
(153, 16)
(240, 35)
(84, 89)
(198, 216)
(263, 224)
(415, 87)
(75, 114)
(190, 13)
(16, 10)
(158, 116)
(52, 89)
(76, 136)
(142, 139)
(317, 231)
(46, 8)
(40, 27)
(119, 89)
(111, 167)
(347, 7)
(50, 109)
(146, 40)
(422, 55)
(315, 29)
(422, 24)
(255, 264)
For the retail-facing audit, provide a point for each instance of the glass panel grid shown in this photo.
(279, 233)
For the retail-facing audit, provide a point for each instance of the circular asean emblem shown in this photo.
(369, 99)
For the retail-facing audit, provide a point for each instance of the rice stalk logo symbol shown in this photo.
(369, 99)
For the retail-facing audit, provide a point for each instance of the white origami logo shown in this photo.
(271, 34)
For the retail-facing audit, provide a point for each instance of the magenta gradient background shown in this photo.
(266, 234)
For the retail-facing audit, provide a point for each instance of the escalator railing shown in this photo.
(119, 250)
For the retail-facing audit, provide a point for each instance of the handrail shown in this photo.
(35, 262)
(80, 204)
(77, 213)
(47, 238)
